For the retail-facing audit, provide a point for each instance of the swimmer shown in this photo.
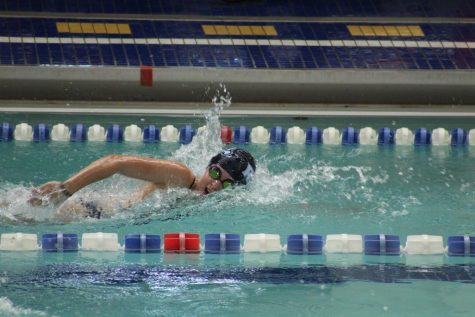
(228, 168)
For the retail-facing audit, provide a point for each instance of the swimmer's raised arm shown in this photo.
(163, 173)
(228, 168)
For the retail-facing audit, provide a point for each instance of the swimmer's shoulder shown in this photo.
(175, 173)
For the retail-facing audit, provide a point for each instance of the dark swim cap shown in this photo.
(238, 163)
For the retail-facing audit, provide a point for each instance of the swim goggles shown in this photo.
(215, 173)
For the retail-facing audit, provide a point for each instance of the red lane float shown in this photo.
(226, 134)
(181, 243)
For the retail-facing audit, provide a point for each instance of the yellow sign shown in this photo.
(93, 28)
(257, 30)
(385, 30)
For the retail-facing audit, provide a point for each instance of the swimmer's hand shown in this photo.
(48, 193)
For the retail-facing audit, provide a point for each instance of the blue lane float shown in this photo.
(350, 136)
(277, 135)
(459, 137)
(6, 132)
(59, 242)
(151, 134)
(304, 244)
(222, 243)
(115, 134)
(143, 243)
(186, 134)
(313, 136)
(461, 245)
(241, 135)
(382, 244)
(41, 133)
(422, 137)
(78, 133)
(385, 136)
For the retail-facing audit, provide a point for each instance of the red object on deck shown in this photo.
(181, 243)
(146, 76)
(226, 134)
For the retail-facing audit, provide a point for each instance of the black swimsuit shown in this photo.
(192, 183)
(93, 211)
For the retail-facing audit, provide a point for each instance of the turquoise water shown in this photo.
(312, 189)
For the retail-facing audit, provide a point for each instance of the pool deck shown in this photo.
(281, 59)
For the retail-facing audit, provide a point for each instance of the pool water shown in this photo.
(321, 189)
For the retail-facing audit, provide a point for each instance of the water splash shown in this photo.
(14, 207)
(207, 142)
(349, 188)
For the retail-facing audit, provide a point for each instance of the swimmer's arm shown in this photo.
(161, 172)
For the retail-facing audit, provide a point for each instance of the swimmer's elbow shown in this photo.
(113, 158)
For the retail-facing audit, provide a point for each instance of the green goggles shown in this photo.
(215, 173)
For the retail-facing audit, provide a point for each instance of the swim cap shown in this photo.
(238, 163)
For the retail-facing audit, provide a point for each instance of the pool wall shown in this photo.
(258, 86)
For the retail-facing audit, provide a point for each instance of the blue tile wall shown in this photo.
(39, 27)
(56, 54)
(463, 59)
(5, 54)
(144, 55)
(444, 59)
(156, 55)
(94, 54)
(232, 56)
(284, 57)
(18, 54)
(319, 57)
(132, 56)
(82, 54)
(208, 56)
(196, 58)
(406, 58)
(43, 54)
(69, 53)
(182, 55)
(4, 27)
(303, 8)
(119, 55)
(307, 57)
(169, 56)
(107, 55)
(257, 57)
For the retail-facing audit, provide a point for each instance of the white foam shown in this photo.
(7, 308)
(14, 205)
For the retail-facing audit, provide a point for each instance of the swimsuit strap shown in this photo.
(192, 183)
